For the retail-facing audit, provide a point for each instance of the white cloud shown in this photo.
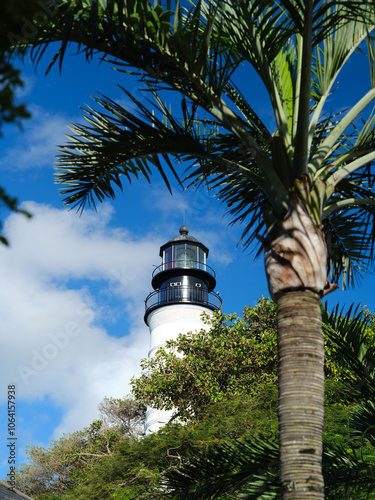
(53, 341)
(36, 146)
(29, 82)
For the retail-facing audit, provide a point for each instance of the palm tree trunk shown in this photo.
(301, 394)
(296, 267)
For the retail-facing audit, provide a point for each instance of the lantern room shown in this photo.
(183, 276)
(183, 252)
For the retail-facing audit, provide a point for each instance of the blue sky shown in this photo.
(72, 287)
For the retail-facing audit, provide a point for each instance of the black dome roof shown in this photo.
(183, 237)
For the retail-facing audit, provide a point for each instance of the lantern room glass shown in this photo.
(185, 255)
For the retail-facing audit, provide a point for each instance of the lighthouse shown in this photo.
(183, 289)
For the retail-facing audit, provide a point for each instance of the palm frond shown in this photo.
(249, 28)
(249, 468)
(347, 331)
(350, 238)
(347, 474)
(349, 212)
(371, 52)
(246, 204)
(145, 38)
(117, 144)
(328, 60)
(259, 130)
(363, 421)
(330, 14)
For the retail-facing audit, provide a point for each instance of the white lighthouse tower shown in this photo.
(183, 289)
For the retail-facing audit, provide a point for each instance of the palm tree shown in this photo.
(303, 190)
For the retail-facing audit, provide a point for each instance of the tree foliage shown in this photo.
(55, 470)
(59, 468)
(199, 368)
(125, 415)
(225, 431)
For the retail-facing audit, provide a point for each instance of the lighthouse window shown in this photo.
(176, 283)
(186, 255)
(202, 259)
(180, 256)
(191, 256)
(167, 261)
(198, 285)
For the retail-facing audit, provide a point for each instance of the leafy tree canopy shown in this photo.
(199, 368)
(59, 468)
(132, 469)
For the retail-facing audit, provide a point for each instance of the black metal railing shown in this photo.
(183, 264)
(183, 294)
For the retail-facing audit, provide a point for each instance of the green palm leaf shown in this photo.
(248, 468)
(347, 331)
(347, 475)
(118, 144)
(363, 421)
(350, 238)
